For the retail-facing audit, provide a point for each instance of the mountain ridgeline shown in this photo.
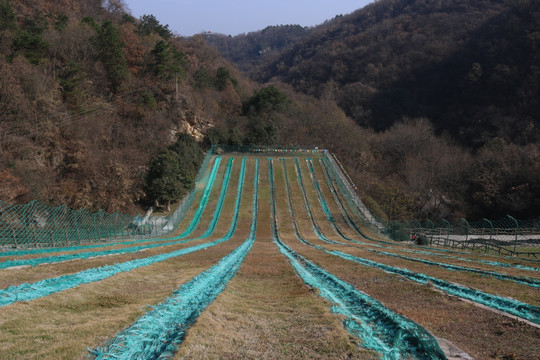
(472, 68)
(247, 50)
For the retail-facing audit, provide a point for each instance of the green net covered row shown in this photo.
(379, 328)
(158, 333)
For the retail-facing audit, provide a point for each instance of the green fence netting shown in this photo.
(507, 236)
(36, 225)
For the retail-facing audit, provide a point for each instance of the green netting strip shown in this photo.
(204, 200)
(217, 213)
(26, 292)
(291, 207)
(352, 205)
(339, 202)
(344, 182)
(518, 279)
(324, 205)
(380, 329)
(158, 333)
(511, 306)
(314, 223)
(487, 262)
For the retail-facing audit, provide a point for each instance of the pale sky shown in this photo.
(189, 17)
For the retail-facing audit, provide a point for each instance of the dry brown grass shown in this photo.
(62, 325)
(266, 312)
(482, 333)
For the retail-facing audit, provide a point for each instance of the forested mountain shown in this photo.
(468, 69)
(248, 50)
(102, 110)
(88, 99)
(471, 67)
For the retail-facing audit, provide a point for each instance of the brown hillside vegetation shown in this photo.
(89, 105)
(469, 68)
(88, 98)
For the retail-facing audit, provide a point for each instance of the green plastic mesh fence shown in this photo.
(35, 225)
(506, 236)
(38, 225)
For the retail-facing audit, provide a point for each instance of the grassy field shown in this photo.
(267, 311)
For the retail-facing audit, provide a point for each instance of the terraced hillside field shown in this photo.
(270, 262)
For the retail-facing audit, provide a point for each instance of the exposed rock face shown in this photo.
(11, 187)
(195, 126)
(191, 116)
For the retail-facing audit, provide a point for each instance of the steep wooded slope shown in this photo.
(248, 50)
(88, 99)
(470, 67)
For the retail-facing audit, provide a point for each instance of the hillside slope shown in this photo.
(249, 50)
(450, 89)
(90, 111)
(470, 67)
(88, 98)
